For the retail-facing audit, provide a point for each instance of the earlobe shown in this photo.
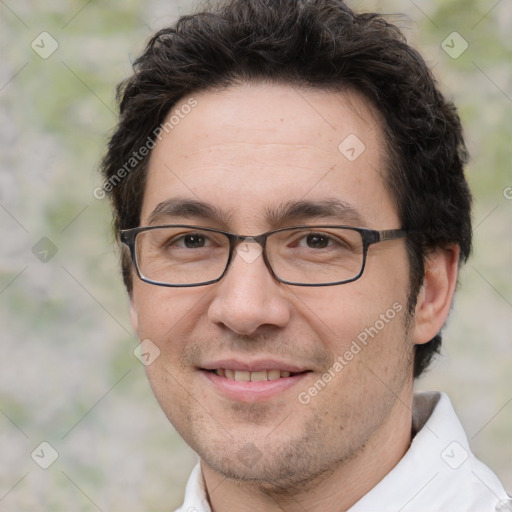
(436, 294)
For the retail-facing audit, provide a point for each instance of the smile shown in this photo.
(254, 385)
(246, 376)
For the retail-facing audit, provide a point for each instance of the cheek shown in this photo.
(343, 311)
(360, 323)
(170, 318)
(370, 361)
(165, 314)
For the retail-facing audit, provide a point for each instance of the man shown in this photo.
(288, 186)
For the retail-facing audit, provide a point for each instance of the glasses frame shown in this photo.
(369, 237)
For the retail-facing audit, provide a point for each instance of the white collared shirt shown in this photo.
(439, 473)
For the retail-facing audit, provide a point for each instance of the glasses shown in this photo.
(182, 255)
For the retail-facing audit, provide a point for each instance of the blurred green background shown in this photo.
(68, 375)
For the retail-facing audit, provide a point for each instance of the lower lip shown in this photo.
(252, 391)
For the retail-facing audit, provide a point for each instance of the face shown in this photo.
(247, 151)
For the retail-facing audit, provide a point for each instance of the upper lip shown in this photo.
(253, 366)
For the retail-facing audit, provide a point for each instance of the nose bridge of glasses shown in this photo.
(249, 248)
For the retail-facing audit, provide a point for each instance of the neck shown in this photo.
(336, 490)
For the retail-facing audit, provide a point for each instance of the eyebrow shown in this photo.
(275, 216)
(302, 210)
(186, 208)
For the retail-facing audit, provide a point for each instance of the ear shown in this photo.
(134, 315)
(436, 294)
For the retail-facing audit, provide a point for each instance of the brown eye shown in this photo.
(317, 241)
(194, 241)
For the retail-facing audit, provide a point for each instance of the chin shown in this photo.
(270, 468)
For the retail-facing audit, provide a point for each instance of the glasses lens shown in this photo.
(181, 255)
(316, 255)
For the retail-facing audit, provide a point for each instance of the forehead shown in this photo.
(250, 148)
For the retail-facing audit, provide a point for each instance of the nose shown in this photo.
(248, 296)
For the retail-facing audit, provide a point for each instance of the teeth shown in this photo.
(245, 376)
(273, 374)
(258, 376)
(242, 376)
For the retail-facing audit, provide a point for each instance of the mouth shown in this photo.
(245, 384)
(256, 376)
